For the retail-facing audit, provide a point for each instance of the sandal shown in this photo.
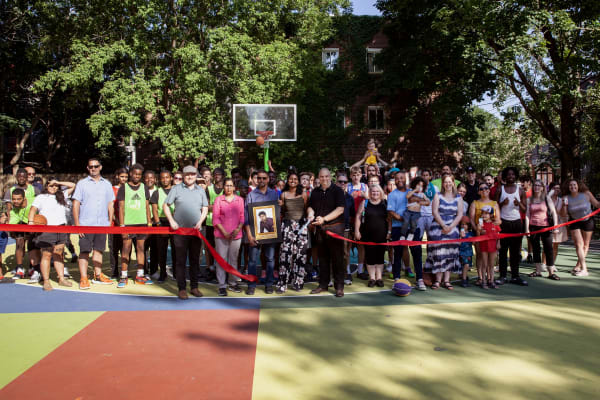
(436, 285)
(484, 285)
(492, 284)
(582, 273)
(478, 282)
(554, 277)
(447, 285)
(535, 274)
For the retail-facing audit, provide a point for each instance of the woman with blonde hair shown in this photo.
(443, 258)
(372, 225)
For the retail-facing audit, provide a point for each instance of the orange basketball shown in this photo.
(39, 219)
(260, 140)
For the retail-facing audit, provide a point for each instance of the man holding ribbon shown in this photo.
(191, 208)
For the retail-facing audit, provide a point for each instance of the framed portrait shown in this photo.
(265, 221)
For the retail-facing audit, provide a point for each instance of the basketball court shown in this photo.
(538, 342)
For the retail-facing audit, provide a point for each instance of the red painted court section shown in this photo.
(149, 355)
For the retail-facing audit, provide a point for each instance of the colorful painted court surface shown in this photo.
(141, 342)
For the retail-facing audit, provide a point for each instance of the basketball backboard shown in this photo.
(252, 120)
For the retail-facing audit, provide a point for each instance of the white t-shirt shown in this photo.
(48, 207)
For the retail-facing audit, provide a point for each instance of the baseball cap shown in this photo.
(243, 183)
(470, 169)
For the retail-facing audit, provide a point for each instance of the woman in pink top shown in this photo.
(539, 207)
(228, 220)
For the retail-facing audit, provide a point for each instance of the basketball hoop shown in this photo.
(262, 138)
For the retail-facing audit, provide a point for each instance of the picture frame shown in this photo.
(265, 221)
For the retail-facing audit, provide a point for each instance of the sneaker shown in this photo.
(348, 280)
(402, 238)
(353, 268)
(421, 285)
(102, 280)
(501, 281)
(269, 290)
(364, 276)
(235, 288)
(280, 290)
(222, 292)
(84, 283)
(143, 280)
(330, 284)
(410, 236)
(35, 277)
(20, 273)
(155, 276)
(519, 281)
(410, 273)
(122, 283)
(250, 291)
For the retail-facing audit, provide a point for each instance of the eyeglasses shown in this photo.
(94, 166)
(177, 178)
(537, 184)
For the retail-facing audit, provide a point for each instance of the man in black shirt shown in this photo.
(472, 186)
(326, 212)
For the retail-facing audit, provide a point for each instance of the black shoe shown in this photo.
(280, 290)
(269, 290)
(379, 283)
(250, 291)
(297, 288)
(464, 283)
(235, 288)
(519, 281)
(348, 279)
(529, 259)
(222, 292)
(501, 281)
(371, 283)
(364, 276)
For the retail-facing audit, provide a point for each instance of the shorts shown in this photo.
(466, 260)
(3, 241)
(137, 236)
(92, 241)
(49, 239)
(586, 226)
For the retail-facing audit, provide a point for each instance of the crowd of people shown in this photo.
(374, 202)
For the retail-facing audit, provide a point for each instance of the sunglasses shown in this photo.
(342, 182)
(32, 174)
(481, 189)
(94, 166)
(177, 178)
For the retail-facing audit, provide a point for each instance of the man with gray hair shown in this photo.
(191, 208)
(326, 212)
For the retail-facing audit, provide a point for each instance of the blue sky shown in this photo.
(365, 7)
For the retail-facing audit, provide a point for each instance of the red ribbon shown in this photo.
(128, 230)
(471, 239)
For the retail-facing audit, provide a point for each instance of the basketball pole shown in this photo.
(266, 156)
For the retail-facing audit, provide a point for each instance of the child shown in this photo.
(371, 157)
(466, 250)
(18, 215)
(415, 198)
(3, 240)
(488, 247)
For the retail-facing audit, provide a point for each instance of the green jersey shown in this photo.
(135, 206)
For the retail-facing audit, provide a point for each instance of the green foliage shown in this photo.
(496, 145)
(169, 71)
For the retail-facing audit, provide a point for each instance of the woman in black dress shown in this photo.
(372, 225)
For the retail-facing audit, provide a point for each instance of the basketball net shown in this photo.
(265, 135)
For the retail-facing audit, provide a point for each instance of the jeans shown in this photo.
(269, 251)
(415, 251)
(411, 220)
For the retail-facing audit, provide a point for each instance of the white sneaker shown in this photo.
(402, 238)
(544, 268)
(66, 273)
(35, 277)
(421, 285)
(155, 276)
(19, 273)
(410, 236)
(330, 284)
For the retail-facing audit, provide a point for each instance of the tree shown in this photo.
(540, 52)
(169, 71)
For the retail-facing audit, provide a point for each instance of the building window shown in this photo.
(330, 58)
(371, 54)
(376, 120)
